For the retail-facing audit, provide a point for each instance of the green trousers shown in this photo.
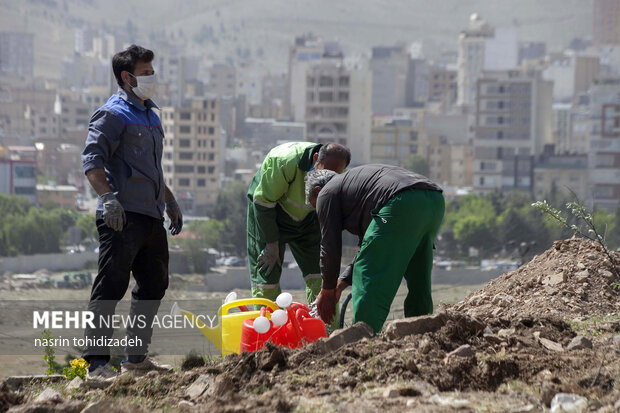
(398, 243)
(303, 239)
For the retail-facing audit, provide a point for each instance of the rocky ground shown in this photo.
(552, 326)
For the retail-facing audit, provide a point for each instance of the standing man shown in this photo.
(396, 214)
(278, 215)
(122, 161)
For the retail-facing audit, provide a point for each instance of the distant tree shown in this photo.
(86, 223)
(231, 208)
(418, 164)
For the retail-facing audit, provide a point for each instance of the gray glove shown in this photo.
(113, 212)
(176, 218)
(269, 257)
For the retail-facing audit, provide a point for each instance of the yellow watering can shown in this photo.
(226, 336)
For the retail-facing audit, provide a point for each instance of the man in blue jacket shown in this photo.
(122, 161)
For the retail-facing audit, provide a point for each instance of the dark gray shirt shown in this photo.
(125, 138)
(349, 199)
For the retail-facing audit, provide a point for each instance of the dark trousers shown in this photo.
(142, 249)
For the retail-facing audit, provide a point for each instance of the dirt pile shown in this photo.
(570, 280)
(511, 346)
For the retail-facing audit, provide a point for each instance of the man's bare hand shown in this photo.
(326, 304)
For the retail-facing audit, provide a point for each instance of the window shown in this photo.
(413, 136)
(184, 143)
(184, 181)
(211, 169)
(168, 155)
(185, 129)
(185, 115)
(326, 97)
(202, 169)
(403, 137)
(201, 182)
(24, 190)
(24, 171)
(326, 81)
(184, 169)
(344, 81)
(211, 156)
(413, 148)
(212, 143)
(389, 137)
(211, 130)
(186, 156)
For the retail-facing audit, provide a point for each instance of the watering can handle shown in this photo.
(249, 301)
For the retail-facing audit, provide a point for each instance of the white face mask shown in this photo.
(146, 86)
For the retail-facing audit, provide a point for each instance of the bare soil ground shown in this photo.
(514, 341)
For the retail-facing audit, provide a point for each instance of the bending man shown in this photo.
(278, 215)
(396, 214)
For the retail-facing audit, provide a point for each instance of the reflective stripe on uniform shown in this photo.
(265, 286)
(312, 277)
(296, 204)
(265, 204)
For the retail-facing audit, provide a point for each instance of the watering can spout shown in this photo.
(213, 334)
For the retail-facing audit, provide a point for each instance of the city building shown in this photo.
(442, 84)
(303, 54)
(250, 83)
(398, 80)
(513, 123)
(482, 47)
(571, 74)
(274, 89)
(605, 22)
(395, 140)
(450, 164)
(338, 107)
(532, 51)
(222, 80)
(61, 196)
(265, 133)
(562, 174)
(18, 167)
(191, 152)
(604, 151)
(16, 53)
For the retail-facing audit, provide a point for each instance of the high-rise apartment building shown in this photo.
(222, 80)
(604, 153)
(303, 54)
(338, 106)
(191, 152)
(16, 53)
(482, 47)
(442, 84)
(605, 22)
(396, 140)
(513, 123)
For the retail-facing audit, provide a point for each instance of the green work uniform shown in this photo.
(277, 211)
(397, 243)
(396, 214)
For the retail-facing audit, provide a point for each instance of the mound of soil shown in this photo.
(509, 347)
(570, 280)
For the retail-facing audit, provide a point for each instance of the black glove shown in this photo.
(176, 218)
(113, 212)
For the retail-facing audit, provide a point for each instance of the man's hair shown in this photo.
(334, 150)
(318, 177)
(127, 59)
